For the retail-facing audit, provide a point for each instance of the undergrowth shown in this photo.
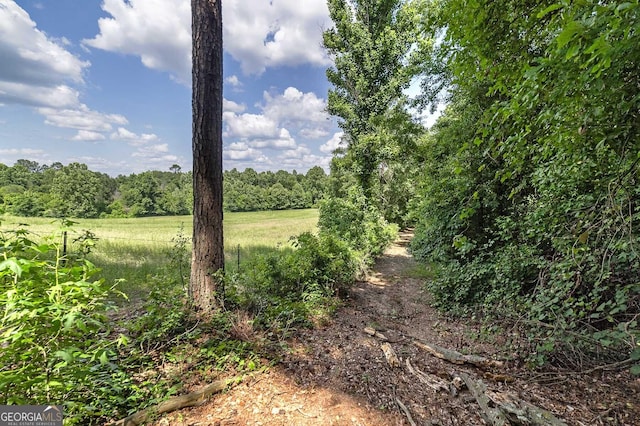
(66, 343)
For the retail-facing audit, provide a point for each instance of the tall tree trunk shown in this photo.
(208, 248)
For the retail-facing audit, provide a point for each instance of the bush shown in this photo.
(285, 287)
(357, 223)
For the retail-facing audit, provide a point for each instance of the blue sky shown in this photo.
(107, 83)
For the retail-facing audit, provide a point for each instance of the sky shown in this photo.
(107, 83)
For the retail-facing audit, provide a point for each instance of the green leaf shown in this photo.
(635, 355)
(66, 356)
(11, 264)
(623, 6)
(549, 10)
(635, 370)
(572, 51)
(569, 32)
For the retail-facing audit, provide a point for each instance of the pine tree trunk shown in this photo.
(208, 247)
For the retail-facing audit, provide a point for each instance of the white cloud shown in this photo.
(158, 31)
(234, 81)
(60, 96)
(334, 143)
(89, 136)
(240, 151)
(305, 112)
(297, 153)
(282, 141)
(302, 163)
(295, 106)
(316, 133)
(261, 34)
(81, 118)
(11, 155)
(230, 106)
(36, 70)
(249, 126)
(283, 119)
(257, 33)
(101, 164)
(21, 151)
(152, 151)
(133, 138)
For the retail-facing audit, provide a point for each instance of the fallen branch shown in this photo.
(390, 354)
(392, 337)
(492, 416)
(518, 411)
(456, 357)
(430, 380)
(504, 378)
(372, 332)
(501, 409)
(176, 403)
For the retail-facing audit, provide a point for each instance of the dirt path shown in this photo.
(338, 375)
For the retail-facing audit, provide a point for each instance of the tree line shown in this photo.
(32, 189)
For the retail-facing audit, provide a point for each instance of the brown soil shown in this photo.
(338, 375)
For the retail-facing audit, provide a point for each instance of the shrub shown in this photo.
(357, 223)
(283, 288)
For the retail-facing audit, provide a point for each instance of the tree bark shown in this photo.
(208, 246)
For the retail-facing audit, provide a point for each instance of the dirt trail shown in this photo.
(338, 375)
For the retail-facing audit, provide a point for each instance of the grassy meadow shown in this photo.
(135, 249)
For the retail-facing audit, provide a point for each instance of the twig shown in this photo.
(406, 412)
(165, 344)
(305, 414)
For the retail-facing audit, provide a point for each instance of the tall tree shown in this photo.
(371, 44)
(208, 247)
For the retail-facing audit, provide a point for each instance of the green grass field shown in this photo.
(134, 249)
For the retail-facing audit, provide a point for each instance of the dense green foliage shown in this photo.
(30, 189)
(53, 326)
(529, 198)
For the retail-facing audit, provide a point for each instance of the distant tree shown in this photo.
(141, 194)
(29, 203)
(19, 175)
(31, 166)
(316, 183)
(175, 168)
(250, 176)
(278, 197)
(285, 178)
(208, 247)
(299, 198)
(75, 192)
